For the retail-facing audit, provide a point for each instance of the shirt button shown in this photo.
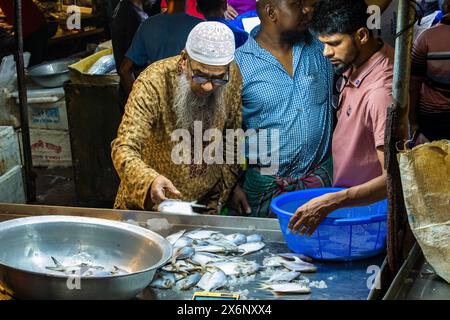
(357, 82)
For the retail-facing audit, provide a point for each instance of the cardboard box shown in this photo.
(9, 149)
(51, 116)
(11, 186)
(49, 148)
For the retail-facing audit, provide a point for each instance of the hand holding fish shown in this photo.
(160, 187)
(309, 216)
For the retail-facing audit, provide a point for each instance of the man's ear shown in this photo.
(363, 35)
(271, 12)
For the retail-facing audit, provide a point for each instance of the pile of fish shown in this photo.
(210, 260)
(85, 269)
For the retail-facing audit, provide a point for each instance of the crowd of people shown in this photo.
(312, 73)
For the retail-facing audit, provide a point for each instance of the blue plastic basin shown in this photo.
(346, 234)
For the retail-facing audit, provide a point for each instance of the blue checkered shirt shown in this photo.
(298, 106)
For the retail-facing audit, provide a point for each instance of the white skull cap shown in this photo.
(211, 43)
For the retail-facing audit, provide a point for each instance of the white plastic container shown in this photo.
(12, 187)
(9, 149)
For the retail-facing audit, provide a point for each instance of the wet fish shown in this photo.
(163, 280)
(190, 281)
(180, 266)
(249, 267)
(230, 268)
(221, 242)
(200, 234)
(216, 249)
(179, 276)
(304, 267)
(183, 242)
(200, 243)
(173, 238)
(213, 280)
(183, 253)
(290, 255)
(236, 238)
(203, 258)
(273, 261)
(287, 288)
(58, 266)
(283, 277)
(255, 238)
(250, 247)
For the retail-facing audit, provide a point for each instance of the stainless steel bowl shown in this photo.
(27, 246)
(51, 74)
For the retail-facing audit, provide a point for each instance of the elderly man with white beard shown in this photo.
(201, 85)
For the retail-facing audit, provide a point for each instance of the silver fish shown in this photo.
(213, 280)
(273, 261)
(175, 236)
(183, 242)
(190, 281)
(58, 266)
(179, 276)
(203, 258)
(163, 280)
(236, 238)
(304, 267)
(215, 249)
(290, 255)
(255, 238)
(230, 268)
(283, 277)
(250, 247)
(249, 267)
(200, 234)
(183, 253)
(221, 242)
(180, 266)
(200, 243)
(287, 288)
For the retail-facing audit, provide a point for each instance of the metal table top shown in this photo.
(344, 280)
(417, 280)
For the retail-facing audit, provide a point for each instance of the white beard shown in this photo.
(189, 108)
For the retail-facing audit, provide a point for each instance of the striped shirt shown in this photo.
(298, 106)
(431, 63)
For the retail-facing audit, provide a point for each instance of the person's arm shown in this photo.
(309, 216)
(144, 185)
(126, 75)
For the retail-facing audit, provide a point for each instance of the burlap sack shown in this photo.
(425, 174)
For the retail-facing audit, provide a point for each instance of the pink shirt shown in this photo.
(361, 120)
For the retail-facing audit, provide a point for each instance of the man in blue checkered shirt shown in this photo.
(287, 89)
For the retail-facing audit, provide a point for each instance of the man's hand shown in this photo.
(231, 13)
(160, 188)
(239, 201)
(310, 215)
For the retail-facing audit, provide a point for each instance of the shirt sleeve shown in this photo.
(379, 102)
(419, 56)
(137, 52)
(141, 112)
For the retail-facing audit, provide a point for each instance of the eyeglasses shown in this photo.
(339, 85)
(215, 81)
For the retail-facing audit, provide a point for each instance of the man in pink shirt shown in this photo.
(364, 65)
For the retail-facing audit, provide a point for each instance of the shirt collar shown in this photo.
(357, 77)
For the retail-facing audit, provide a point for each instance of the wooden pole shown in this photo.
(30, 178)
